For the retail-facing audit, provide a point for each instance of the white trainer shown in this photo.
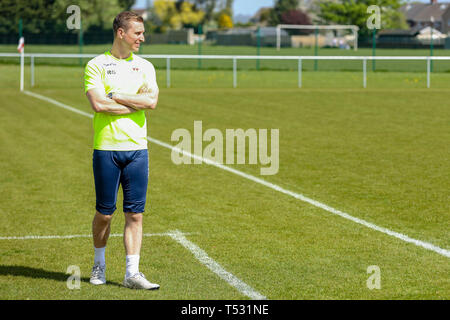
(138, 281)
(98, 275)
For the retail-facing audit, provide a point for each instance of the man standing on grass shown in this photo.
(120, 86)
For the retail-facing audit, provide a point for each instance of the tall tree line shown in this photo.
(49, 16)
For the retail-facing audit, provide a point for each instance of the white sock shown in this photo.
(99, 257)
(132, 265)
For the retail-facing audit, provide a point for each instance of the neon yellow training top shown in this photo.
(110, 74)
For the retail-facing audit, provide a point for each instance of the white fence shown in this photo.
(235, 59)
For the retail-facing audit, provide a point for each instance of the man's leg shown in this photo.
(134, 182)
(107, 177)
(101, 227)
(132, 240)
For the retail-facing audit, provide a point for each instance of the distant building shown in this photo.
(266, 37)
(414, 38)
(433, 14)
(397, 38)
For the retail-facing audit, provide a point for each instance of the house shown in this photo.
(399, 38)
(416, 37)
(432, 14)
(266, 37)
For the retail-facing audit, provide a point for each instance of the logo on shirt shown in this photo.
(109, 72)
(135, 69)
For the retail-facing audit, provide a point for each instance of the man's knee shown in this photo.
(103, 218)
(134, 218)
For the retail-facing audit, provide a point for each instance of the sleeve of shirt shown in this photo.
(150, 79)
(93, 77)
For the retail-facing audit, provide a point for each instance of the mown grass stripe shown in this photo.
(397, 235)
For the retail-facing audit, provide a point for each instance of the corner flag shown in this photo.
(20, 48)
(21, 44)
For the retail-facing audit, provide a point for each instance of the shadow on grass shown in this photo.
(21, 271)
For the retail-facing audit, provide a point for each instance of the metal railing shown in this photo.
(236, 58)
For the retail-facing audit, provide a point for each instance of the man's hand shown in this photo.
(144, 99)
(144, 89)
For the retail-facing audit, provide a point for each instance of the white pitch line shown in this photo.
(400, 236)
(179, 237)
(58, 104)
(74, 236)
(212, 265)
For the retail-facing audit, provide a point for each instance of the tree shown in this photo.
(295, 17)
(188, 15)
(163, 11)
(265, 14)
(352, 12)
(225, 21)
(282, 6)
(208, 6)
(126, 4)
(94, 13)
(35, 15)
(229, 7)
(175, 15)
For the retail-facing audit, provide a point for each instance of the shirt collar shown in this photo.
(108, 53)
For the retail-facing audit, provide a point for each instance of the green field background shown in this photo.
(380, 154)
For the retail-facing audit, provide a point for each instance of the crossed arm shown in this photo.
(122, 104)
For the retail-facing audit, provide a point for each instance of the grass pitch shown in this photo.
(380, 154)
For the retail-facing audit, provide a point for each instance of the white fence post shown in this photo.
(278, 38)
(299, 73)
(234, 73)
(365, 73)
(32, 71)
(168, 72)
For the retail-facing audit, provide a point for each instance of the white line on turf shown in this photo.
(59, 104)
(405, 238)
(74, 236)
(179, 237)
(212, 265)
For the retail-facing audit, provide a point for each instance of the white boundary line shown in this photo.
(400, 236)
(179, 237)
(74, 236)
(212, 265)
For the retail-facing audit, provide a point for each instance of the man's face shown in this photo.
(134, 35)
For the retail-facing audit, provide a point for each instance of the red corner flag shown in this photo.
(21, 44)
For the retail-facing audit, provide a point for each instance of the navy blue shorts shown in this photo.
(128, 168)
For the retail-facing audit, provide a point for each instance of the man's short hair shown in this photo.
(122, 20)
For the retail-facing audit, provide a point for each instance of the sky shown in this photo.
(245, 7)
(250, 7)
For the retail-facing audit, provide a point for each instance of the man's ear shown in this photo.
(120, 33)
